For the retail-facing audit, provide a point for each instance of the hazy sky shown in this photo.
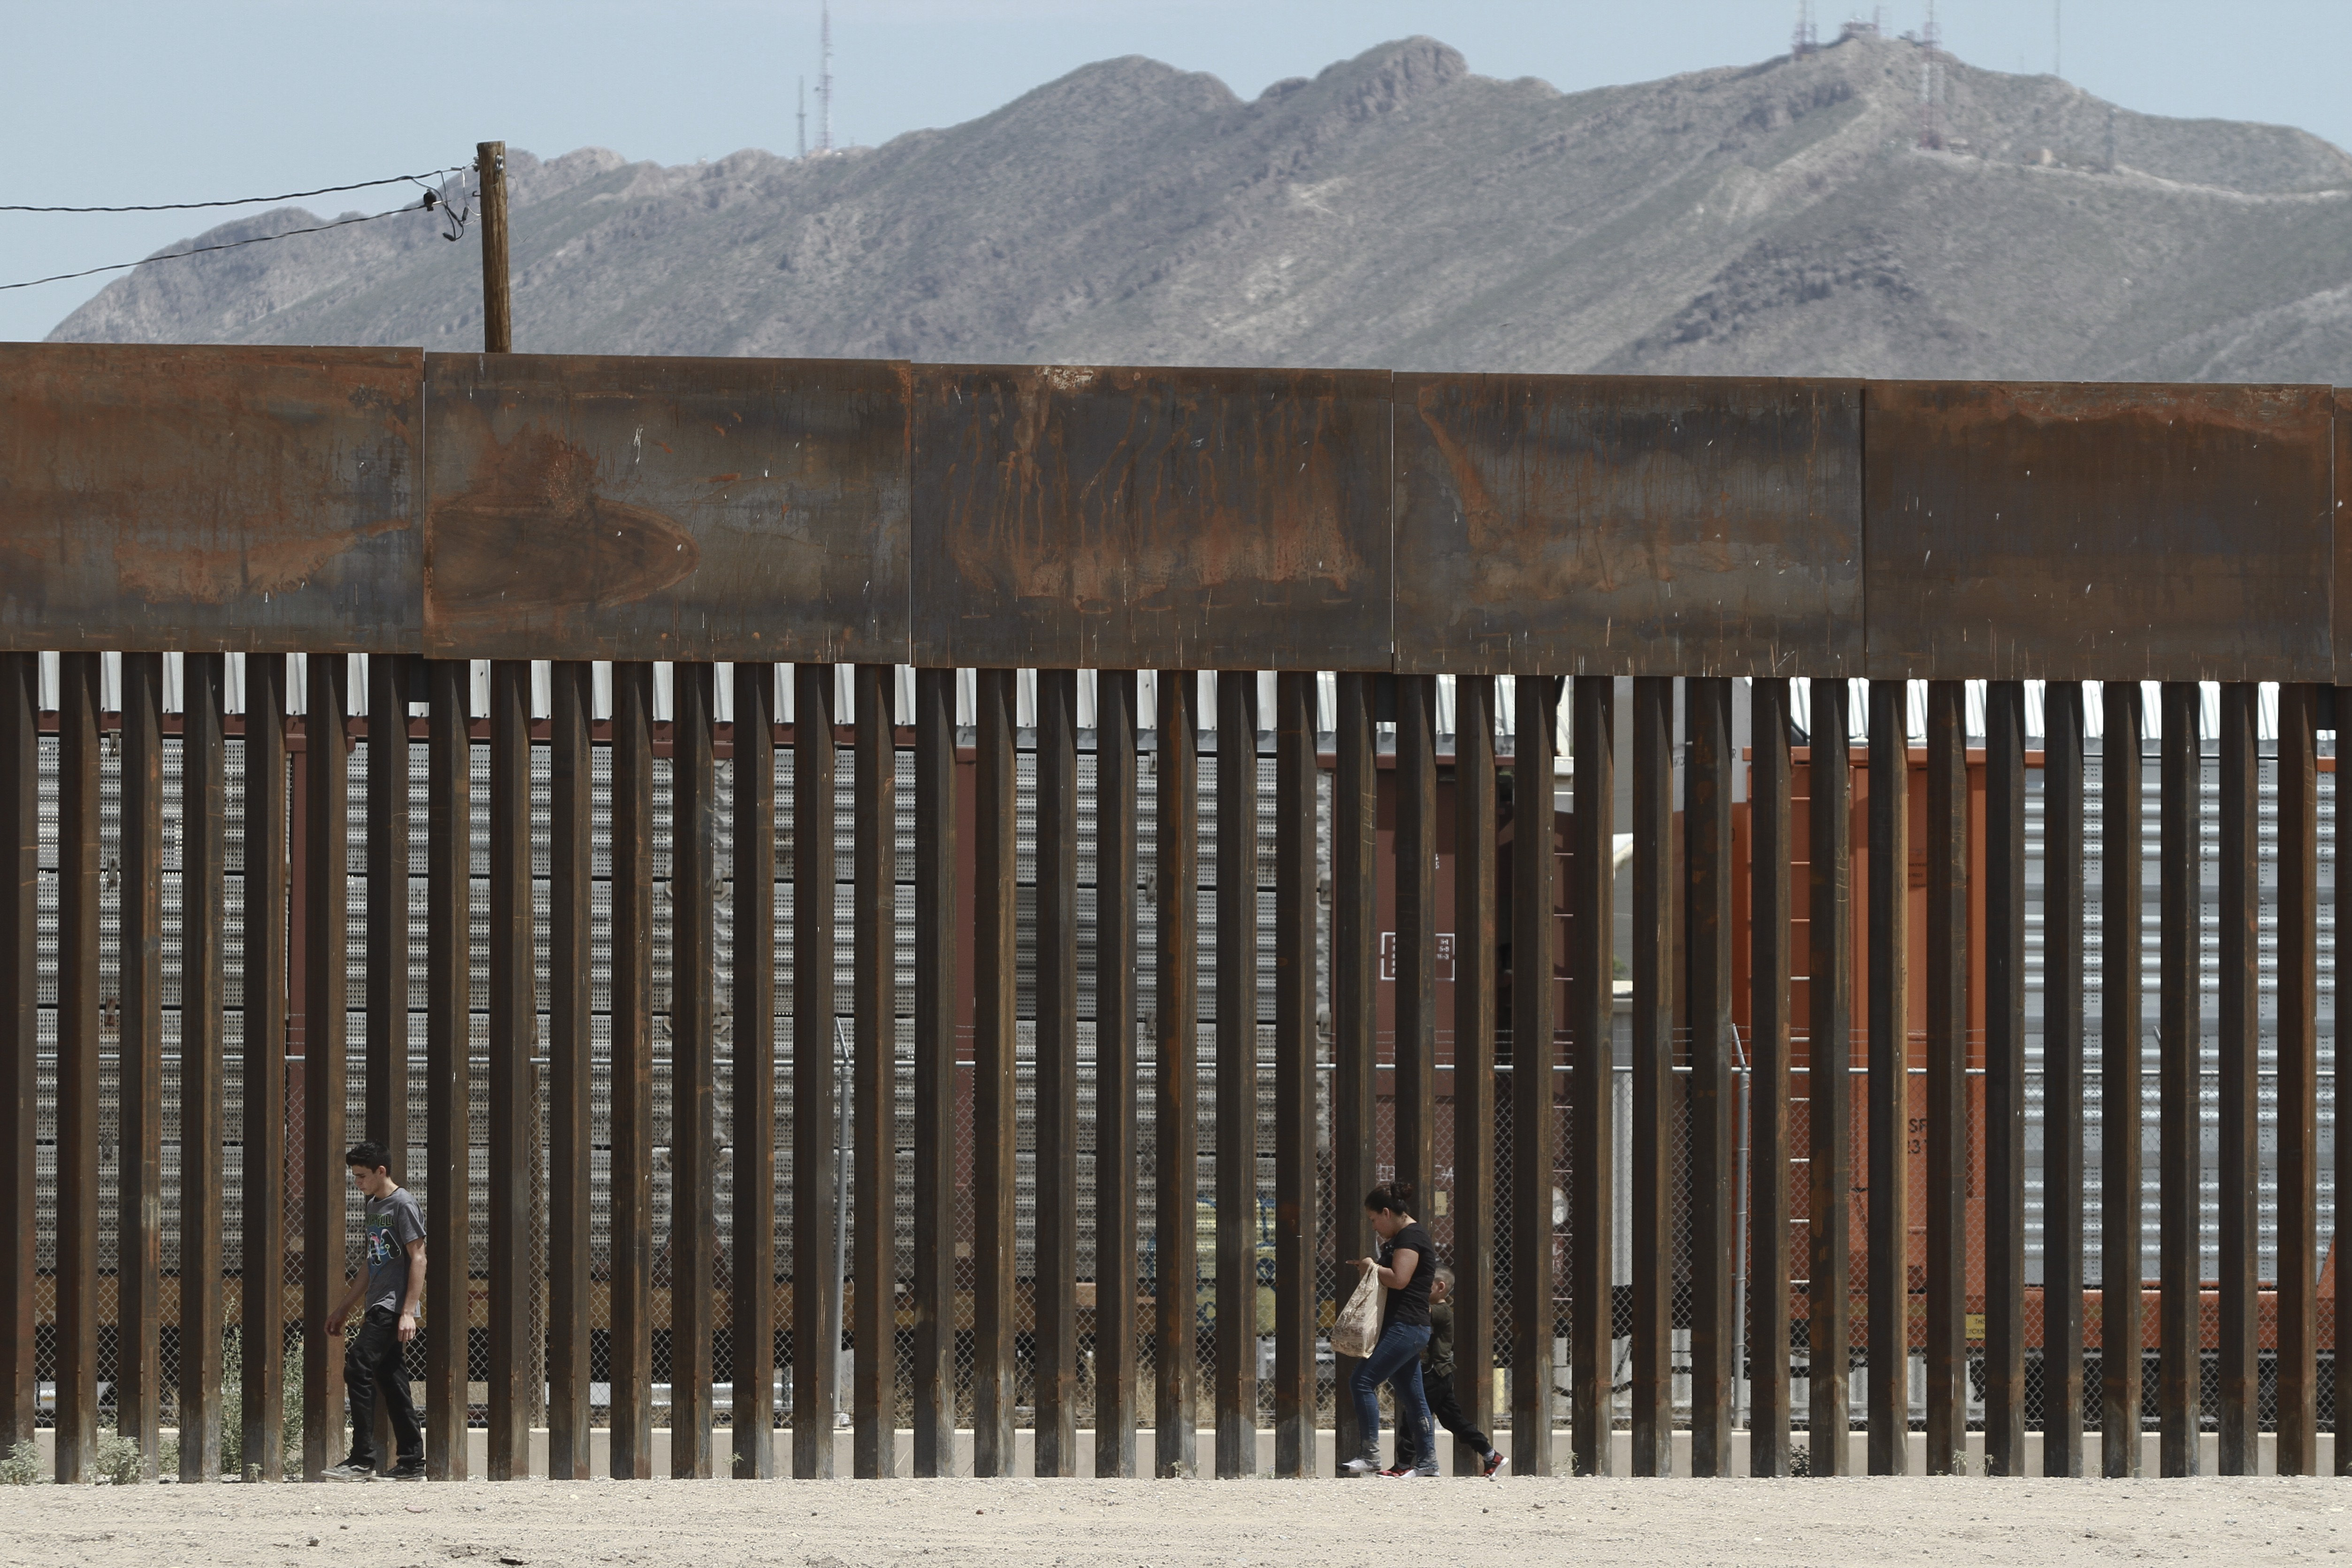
(119, 101)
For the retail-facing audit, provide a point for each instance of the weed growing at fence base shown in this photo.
(116, 1463)
(233, 1412)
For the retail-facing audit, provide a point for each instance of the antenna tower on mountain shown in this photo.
(1807, 40)
(1931, 81)
(824, 80)
(801, 115)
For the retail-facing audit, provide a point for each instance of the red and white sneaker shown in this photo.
(1493, 1464)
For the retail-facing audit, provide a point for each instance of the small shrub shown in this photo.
(22, 1467)
(233, 1408)
(290, 1412)
(167, 1457)
(232, 1405)
(117, 1461)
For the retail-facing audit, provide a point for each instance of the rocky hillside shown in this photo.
(1396, 211)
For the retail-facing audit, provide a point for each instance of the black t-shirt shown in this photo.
(1410, 1306)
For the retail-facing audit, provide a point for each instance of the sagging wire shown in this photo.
(431, 201)
(251, 201)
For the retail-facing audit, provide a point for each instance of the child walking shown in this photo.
(1437, 1379)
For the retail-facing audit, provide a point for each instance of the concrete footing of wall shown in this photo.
(477, 1453)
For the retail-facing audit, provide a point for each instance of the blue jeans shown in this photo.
(1395, 1361)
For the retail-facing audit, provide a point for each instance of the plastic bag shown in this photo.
(1357, 1330)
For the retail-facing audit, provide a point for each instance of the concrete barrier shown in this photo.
(1023, 1447)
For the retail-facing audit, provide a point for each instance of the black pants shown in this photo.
(1445, 1411)
(373, 1360)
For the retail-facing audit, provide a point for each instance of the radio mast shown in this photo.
(825, 79)
(1931, 83)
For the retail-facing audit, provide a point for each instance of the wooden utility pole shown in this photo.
(498, 309)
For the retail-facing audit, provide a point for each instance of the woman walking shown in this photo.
(1406, 1264)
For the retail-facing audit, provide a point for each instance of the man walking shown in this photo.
(390, 1287)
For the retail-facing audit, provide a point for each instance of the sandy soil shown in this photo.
(825, 1524)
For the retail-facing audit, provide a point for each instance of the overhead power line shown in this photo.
(251, 201)
(431, 199)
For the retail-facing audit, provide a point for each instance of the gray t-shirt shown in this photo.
(391, 1224)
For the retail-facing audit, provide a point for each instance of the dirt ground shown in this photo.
(785, 1524)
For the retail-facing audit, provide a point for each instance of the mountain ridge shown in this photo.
(1395, 210)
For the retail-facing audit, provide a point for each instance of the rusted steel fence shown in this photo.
(848, 743)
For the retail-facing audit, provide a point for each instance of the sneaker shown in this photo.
(1397, 1472)
(1426, 1469)
(1364, 1464)
(412, 1472)
(1493, 1463)
(349, 1471)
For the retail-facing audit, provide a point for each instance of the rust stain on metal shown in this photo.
(534, 536)
(2023, 530)
(1116, 517)
(208, 498)
(216, 576)
(579, 508)
(1627, 524)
